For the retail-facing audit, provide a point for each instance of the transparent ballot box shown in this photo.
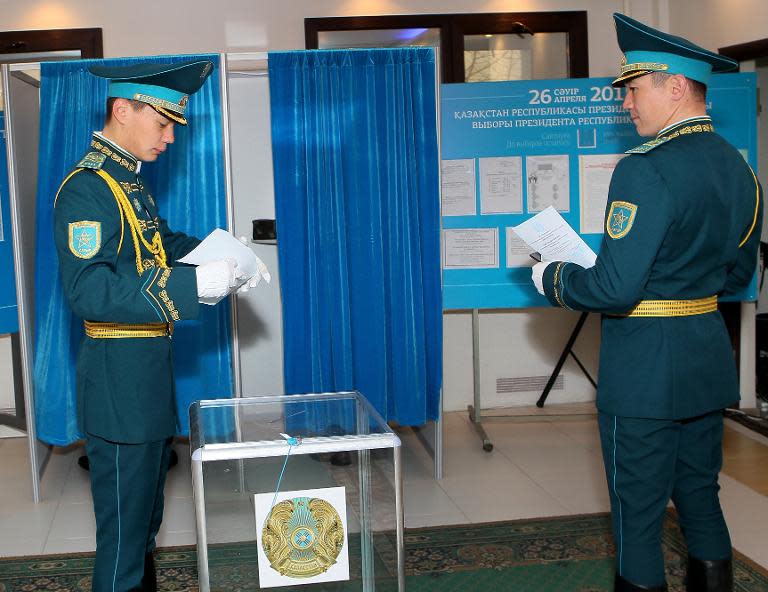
(296, 492)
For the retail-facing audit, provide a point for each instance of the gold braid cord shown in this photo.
(156, 246)
(757, 209)
(672, 308)
(121, 330)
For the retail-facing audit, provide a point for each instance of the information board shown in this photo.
(511, 149)
(9, 319)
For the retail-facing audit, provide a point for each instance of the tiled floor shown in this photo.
(537, 468)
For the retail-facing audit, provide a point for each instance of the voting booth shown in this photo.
(20, 122)
(246, 347)
(302, 508)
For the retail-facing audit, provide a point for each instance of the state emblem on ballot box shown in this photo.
(302, 537)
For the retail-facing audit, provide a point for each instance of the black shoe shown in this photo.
(173, 459)
(709, 576)
(341, 459)
(337, 459)
(149, 580)
(83, 463)
(622, 585)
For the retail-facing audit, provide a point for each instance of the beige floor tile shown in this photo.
(580, 491)
(505, 497)
(176, 539)
(27, 519)
(71, 545)
(751, 543)
(77, 487)
(475, 462)
(743, 507)
(179, 515)
(427, 498)
(539, 459)
(20, 546)
(73, 520)
(428, 520)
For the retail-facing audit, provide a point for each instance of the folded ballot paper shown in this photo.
(549, 234)
(220, 244)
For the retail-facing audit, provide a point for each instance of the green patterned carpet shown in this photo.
(571, 554)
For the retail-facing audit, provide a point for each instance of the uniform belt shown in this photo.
(123, 330)
(673, 308)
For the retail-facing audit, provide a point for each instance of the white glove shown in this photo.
(537, 275)
(215, 279)
(261, 272)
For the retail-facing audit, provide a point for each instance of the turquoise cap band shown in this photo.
(158, 96)
(670, 63)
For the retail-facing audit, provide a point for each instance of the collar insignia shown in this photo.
(92, 160)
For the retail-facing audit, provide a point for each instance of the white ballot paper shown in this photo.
(220, 244)
(549, 234)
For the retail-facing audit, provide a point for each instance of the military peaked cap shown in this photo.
(647, 50)
(166, 87)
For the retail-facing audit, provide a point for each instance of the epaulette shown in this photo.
(92, 160)
(649, 145)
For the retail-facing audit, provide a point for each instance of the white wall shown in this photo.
(143, 27)
(259, 310)
(719, 23)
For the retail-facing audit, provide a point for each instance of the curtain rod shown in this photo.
(255, 57)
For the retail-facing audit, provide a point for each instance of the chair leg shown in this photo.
(709, 576)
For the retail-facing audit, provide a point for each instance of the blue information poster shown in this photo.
(512, 149)
(9, 320)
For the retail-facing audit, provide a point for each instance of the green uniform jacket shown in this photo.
(683, 221)
(125, 386)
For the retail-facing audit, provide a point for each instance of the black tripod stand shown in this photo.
(568, 349)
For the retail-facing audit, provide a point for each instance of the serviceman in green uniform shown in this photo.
(117, 260)
(682, 229)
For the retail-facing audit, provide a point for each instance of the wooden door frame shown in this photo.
(88, 41)
(746, 51)
(454, 26)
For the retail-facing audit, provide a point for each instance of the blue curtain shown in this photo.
(189, 182)
(9, 314)
(355, 156)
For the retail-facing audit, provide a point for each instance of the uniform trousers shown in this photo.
(127, 482)
(647, 463)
